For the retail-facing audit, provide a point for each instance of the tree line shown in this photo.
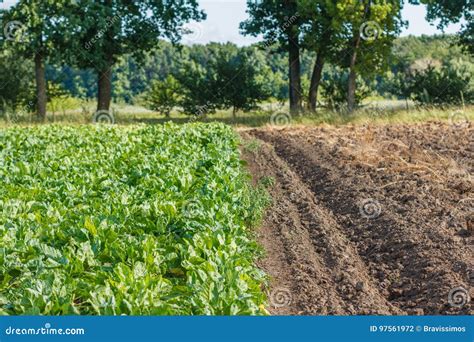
(91, 35)
(356, 35)
(329, 46)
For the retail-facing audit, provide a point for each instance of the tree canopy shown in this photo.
(96, 34)
(453, 11)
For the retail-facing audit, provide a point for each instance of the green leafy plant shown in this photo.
(132, 220)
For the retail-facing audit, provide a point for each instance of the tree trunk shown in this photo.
(315, 81)
(41, 96)
(104, 94)
(351, 82)
(294, 73)
(317, 71)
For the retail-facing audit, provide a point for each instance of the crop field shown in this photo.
(201, 219)
(188, 170)
(135, 220)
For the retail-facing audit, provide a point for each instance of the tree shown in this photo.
(29, 29)
(368, 28)
(97, 33)
(16, 81)
(200, 91)
(163, 96)
(222, 76)
(453, 11)
(243, 78)
(279, 21)
(318, 36)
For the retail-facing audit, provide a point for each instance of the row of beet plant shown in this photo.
(139, 220)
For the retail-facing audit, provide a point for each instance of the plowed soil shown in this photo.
(367, 219)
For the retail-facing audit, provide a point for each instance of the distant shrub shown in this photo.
(200, 91)
(230, 78)
(334, 89)
(163, 96)
(16, 86)
(60, 99)
(448, 84)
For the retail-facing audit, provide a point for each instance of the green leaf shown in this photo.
(90, 226)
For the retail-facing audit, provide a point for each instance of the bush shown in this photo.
(449, 84)
(163, 96)
(16, 82)
(199, 89)
(242, 80)
(334, 89)
(229, 78)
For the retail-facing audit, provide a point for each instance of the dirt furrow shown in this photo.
(397, 248)
(315, 269)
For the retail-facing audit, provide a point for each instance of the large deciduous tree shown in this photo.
(279, 21)
(29, 28)
(319, 35)
(367, 29)
(97, 33)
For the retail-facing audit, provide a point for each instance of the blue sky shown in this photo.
(224, 16)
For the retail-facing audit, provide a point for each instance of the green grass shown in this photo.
(368, 116)
(136, 220)
(381, 112)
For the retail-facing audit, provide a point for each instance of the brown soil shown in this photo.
(368, 220)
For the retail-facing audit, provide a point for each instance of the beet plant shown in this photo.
(139, 220)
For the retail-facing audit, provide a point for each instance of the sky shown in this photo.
(224, 16)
